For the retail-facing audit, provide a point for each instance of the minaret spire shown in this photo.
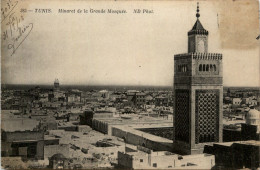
(198, 10)
(197, 28)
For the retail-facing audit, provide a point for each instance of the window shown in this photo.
(182, 68)
(141, 160)
(214, 66)
(200, 67)
(210, 68)
(179, 68)
(154, 164)
(207, 67)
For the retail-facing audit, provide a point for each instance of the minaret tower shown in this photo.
(56, 85)
(198, 94)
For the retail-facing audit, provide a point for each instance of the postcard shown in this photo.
(130, 84)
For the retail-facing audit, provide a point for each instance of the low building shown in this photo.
(149, 100)
(243, 130)
(139, 138)
(237, 155)
(249, 132)
(139, 100)
(26, 144)
(21, 137)
(161, 101)
(236, 101)
(86, 117)
(249, 101)
(144, 158)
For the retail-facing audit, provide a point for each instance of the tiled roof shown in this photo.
(197, 25)
(198, 29)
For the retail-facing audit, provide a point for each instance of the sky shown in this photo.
(128, 49)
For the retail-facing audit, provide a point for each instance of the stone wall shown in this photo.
(136, 139)
(165, 132)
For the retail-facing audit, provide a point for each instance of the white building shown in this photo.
(147, 159)
(236, 101)
(253, 118)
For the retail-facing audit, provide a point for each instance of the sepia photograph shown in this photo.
(135, 84)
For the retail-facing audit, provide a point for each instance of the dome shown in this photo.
(253, 117)
(57, 157)
(253, 114)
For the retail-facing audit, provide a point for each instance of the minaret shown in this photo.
(198, 94)
(56, 84)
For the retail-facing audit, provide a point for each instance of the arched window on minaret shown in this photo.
(200, 67)
(207, 67)
(214, 66)
(210, 68)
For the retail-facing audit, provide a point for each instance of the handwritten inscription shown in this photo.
(7, 8)
(15, 30)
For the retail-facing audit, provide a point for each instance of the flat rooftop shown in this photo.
(133, 119)
(249, 142)
(151, 137)
(19, 124)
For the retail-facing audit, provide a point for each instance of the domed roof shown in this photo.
(57, 156)
(253, 114)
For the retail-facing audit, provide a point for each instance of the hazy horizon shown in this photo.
(129, 85)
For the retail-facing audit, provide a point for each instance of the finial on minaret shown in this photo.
(198, 10)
